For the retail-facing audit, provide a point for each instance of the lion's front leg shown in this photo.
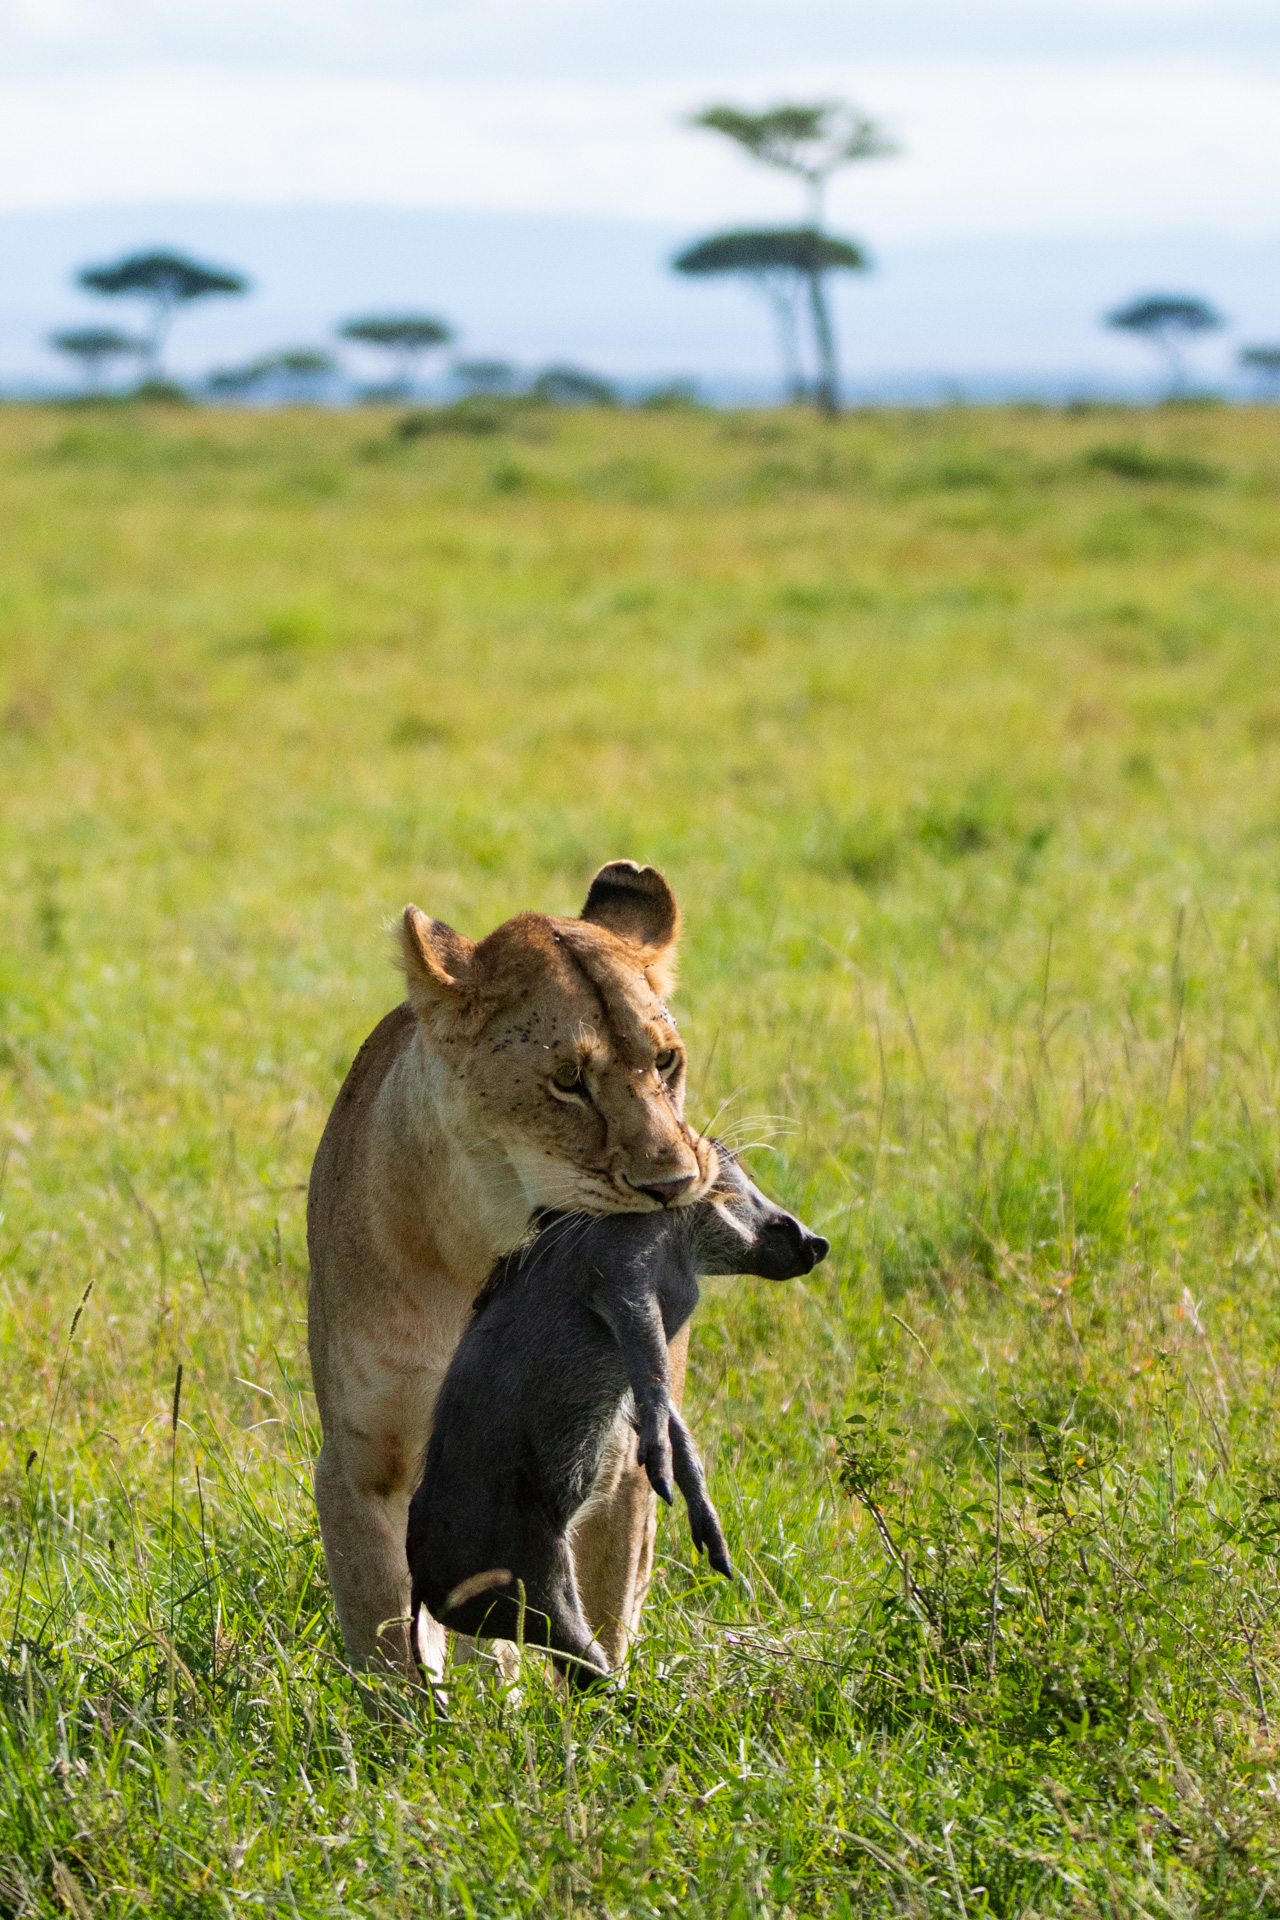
(363, 1522)
(376, 1421)
(613, 1540)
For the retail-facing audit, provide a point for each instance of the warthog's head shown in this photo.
(741, 1230)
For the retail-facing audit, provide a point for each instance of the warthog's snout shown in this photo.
(786, 1249)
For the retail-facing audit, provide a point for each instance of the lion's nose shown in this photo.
(671, 1189)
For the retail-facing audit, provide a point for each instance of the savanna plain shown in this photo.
(958, 734)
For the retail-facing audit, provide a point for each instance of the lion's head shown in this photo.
(557, 1049)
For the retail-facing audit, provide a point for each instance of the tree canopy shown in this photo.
(484, 376)
(295, 372)
(811, 139)
(308, 363)
(783, 262)
(167, 277)
(400, 332)
(1168, 321)
(405, 336)
(93, 347)
(1159, 313)
(236, 380)
(800, 250)
(165, 281)
(572, 387)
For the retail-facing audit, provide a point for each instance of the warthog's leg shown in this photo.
(704, 1521)
(613, 1539)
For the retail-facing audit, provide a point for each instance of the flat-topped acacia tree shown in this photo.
(1264, 363)
(484, 376)
(300, 374)
(574, 387)
(783, 263)
(811, 140)
(164, 282)
(1168, 321)
(406, 337)
(94, 348)
(297, 376)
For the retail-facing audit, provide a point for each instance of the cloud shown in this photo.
(603, 39)
(991, 146)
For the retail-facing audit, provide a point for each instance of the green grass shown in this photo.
(959, 736)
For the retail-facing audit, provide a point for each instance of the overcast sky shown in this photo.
(1017, 117)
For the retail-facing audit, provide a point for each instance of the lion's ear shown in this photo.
(435, 961)
(637, 904)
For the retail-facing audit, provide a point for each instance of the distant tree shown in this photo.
(571, 387)
(484, 376)
(811, 140)
(1168, 321)
(95, 348)
(782, 263)
(406, 337)
(673, 396)
(234, 383)
(763, 258)
(294, 375)
(1265, 363)
(302, 372)
(164, 282)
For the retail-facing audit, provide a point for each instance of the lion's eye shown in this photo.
(667, 1061)
(568, 1078)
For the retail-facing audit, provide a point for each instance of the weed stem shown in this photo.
(995, 1571)
(44, 1455)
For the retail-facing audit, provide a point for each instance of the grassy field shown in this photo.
(959, 737)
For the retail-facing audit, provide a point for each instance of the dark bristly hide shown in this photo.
(565, 1327)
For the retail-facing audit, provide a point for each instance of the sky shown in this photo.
(1016, 116)
(1019, 121)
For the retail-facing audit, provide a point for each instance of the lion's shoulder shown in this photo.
(349, 1113)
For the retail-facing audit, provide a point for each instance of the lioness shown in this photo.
(537, 1068)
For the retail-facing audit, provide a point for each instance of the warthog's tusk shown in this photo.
(477, 1583)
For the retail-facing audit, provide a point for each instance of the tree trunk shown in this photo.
(826, 393)
(1171, 347)
(161, 320)
(782, 298)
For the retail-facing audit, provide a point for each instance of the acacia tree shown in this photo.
(405, 336)
(236, 383)
(762, 258)
(295, 375)
(1265, 363)
(484, 376)
(95, 348)
(783, 263)
(811, 140)
(1168, 321)
(164, 282)
(573, 387)
(301, 373)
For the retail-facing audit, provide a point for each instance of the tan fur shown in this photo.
(448, 1132)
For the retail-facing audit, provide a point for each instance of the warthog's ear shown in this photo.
(435, 961)
(637, 905)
